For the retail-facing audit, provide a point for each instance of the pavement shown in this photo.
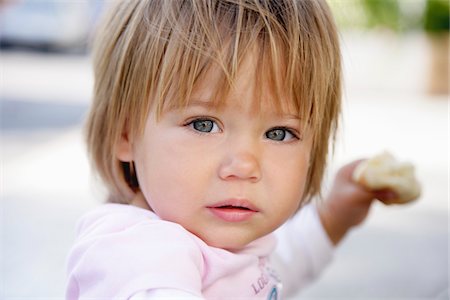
(401, 252)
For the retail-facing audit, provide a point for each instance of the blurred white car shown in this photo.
(48, 24)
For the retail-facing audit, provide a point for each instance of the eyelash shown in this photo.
(295, 135)
(190, 123)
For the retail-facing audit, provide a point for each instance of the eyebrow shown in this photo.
(290, 116)
(207, 104)
(202, 103)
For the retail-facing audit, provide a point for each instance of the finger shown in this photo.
(387, 196)
(346, 172)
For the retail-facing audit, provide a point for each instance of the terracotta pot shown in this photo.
(438, 80)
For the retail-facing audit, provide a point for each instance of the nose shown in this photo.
(240, 165)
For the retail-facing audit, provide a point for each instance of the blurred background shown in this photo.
(396, 62)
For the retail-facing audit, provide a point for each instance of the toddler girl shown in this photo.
(210, 127)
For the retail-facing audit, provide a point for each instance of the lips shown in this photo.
(233, 210)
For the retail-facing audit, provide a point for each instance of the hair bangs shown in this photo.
(217, 43)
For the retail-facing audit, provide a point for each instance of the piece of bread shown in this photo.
(383, 171)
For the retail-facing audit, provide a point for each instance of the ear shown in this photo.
(124, 149)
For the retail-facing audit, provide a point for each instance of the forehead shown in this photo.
(253, 85)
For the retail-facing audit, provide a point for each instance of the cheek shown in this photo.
(293, 181)
(170, 174)
(289, 178)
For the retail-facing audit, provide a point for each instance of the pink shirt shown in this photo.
(124, 252)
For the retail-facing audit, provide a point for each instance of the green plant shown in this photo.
(384, 13)
(437, 16)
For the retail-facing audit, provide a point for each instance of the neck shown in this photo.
(139, 201)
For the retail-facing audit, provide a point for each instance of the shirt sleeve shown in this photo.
(303, 250)
(146, 256)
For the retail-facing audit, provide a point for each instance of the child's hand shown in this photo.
(348, 203)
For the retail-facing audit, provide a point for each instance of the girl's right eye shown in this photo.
(204, 125)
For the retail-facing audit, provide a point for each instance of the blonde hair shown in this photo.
(152, 54)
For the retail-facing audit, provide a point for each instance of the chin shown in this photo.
(232, 244)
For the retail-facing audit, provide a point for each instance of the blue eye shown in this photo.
(280, 134)
(204, 125)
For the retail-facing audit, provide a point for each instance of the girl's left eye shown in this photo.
(204, 125)
(280, 134)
